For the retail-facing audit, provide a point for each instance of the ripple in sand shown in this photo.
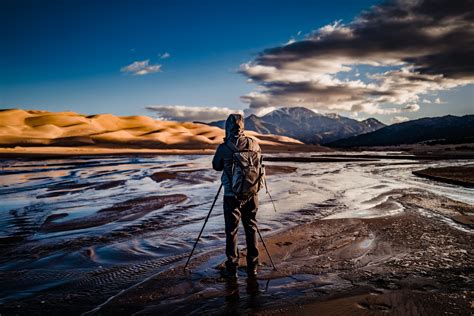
(124, 211)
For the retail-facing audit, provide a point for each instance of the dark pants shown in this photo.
(233, 211)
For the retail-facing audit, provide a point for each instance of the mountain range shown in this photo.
(307, 126)
(447, 129)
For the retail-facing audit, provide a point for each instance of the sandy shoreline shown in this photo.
(58, 152)
(67, 152)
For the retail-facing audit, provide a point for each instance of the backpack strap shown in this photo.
(233, 149)
(231, 146)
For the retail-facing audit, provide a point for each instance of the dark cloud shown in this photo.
(429, 44)
(191, 113)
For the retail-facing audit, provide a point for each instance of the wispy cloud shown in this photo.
(164, 55)
(141, 68)
(412, 48)
(411, 107)
(191, 113)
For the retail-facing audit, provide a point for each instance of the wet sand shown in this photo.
(383, 242)
(409, 264)
(67, 188)
(124, 211)
(459, 175)
(405, 265)
(272, 170)
(196, 176)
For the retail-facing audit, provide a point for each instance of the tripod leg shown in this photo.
(202, 229)
(269, 195)
(265, 246)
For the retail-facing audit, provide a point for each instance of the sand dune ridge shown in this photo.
(42, 128)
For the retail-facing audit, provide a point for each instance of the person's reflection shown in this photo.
(252, 292)
(233, 298)
(232, 290)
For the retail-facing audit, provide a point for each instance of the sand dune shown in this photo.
(69, 129)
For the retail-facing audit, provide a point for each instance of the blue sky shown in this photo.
(68, 55)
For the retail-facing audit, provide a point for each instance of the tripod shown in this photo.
(204, 225)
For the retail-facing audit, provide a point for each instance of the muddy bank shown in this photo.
(457, 211)
(459, 175)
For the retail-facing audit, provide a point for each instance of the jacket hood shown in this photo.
(234, 126)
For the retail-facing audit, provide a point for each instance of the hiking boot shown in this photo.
(229, 273)
(252, 272)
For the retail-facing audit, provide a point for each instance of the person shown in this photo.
(236, 209)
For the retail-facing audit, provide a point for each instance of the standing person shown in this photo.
(239, 157)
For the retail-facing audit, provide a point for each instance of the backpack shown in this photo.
(248, 171)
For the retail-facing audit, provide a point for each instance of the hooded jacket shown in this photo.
(223, 158)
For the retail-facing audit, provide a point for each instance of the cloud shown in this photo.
(411, 48)
(140, 68)
(191, 113)
(411, 107)
(165, 55)
(399, 119)
(438, 101)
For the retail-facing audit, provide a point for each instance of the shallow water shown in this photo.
(119, 253)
